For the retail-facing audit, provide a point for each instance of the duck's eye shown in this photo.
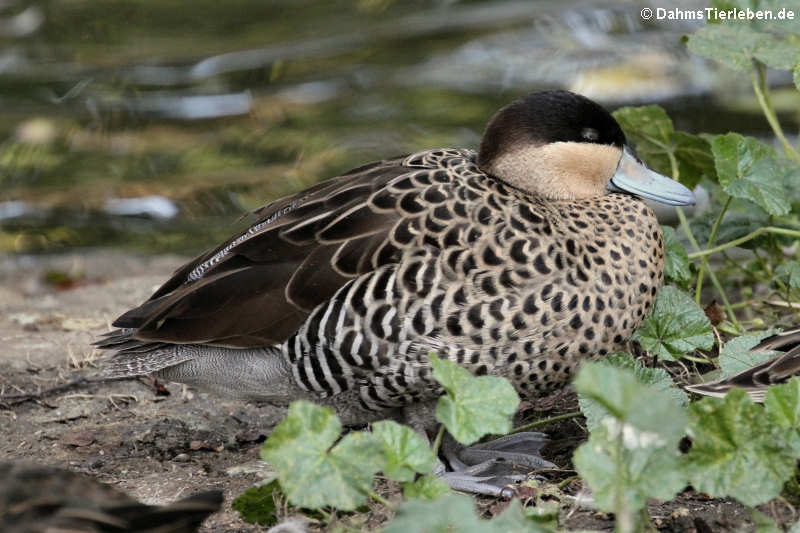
(590, 134)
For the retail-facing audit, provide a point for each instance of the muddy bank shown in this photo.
(157, 443)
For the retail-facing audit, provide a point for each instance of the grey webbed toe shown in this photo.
(519, 449)
(493, 468)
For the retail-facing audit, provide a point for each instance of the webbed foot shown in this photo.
(493, 468)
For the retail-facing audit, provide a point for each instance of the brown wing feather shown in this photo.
(258, 287)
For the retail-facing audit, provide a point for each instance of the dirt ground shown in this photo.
(160, 443)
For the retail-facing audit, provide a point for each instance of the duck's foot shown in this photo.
(493, 468)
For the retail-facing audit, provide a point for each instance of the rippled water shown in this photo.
(154, 124)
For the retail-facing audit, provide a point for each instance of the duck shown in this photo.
(40, 499)
(520, 260)
(755, 381)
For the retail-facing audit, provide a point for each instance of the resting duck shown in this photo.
(519, 261)
(756, 380)
(43, 499)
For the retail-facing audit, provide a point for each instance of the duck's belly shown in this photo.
(537, 291)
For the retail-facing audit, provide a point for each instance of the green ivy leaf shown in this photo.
(312, 472)
(789, 273)
(648, 126)
(733, 45)
(257, 504)
(656, 378)
(427, 487)
(473, 406)
(632, 451)
(620, 385)
(405, 451)
(736, 451)
(763, 523)
(454, 513)
(694, 158)
(734, 225)
(630, 477)
(736, 355)
(677, 260)
(749, 169)
(675, 327)
(652, 131)
(780, 54)
(782, 404)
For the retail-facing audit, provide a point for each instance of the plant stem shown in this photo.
(725, 303)
(694, 359)
(711, 238)
(437, 442)
(758, 75)
(567, 481)
(546, 421)
(746, 303)
(704, 267)
(750, 236)
(686, 229)
(380, 499)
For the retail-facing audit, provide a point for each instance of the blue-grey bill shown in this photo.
(635, 178)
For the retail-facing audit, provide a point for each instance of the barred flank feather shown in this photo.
(757, 379)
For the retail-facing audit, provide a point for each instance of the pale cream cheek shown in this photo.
(560, 171)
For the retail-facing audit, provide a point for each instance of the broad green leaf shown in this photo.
(257, 504)
(675, 327)
(733, 45)
(405, 451)
(789, 273)
(676, 267)
(632, 451)
(648, 126)
(763, 523)
(656, 378)
(619, 476)
(652, 132)
(695, 159)
(736, 451)
(427, 487)
(736, 356)
(517, 518)
(455, 513)
(312, 472)
(783, 409)
(734, 226)
(781, 54)
(473, 406)
(623, 394)
(749, 169)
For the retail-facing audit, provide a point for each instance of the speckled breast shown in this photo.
(501, 282)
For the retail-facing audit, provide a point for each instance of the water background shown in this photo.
(153, 125)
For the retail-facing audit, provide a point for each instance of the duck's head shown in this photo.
(562, 146)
